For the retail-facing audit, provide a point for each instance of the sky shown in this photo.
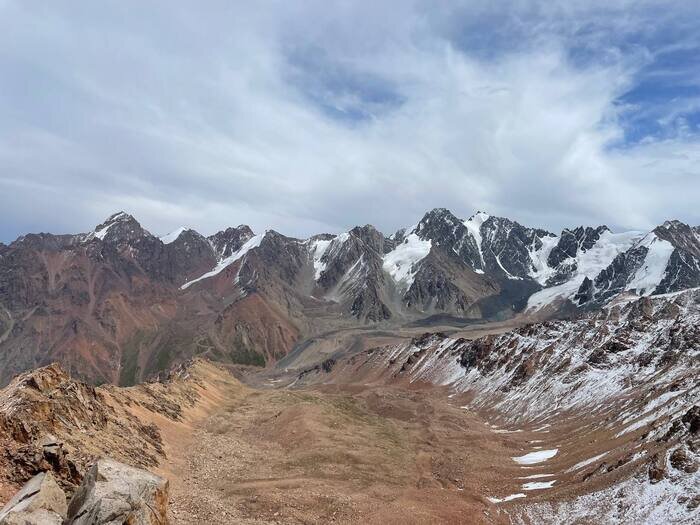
(315, 116)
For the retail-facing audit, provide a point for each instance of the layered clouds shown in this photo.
(317, 116)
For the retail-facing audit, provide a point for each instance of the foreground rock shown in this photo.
(113, 493)
(40, 502)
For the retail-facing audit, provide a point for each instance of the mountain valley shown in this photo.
(457, 371)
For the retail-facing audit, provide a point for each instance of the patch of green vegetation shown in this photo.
(243, 354)
(129, 370)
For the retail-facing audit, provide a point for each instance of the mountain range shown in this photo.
(119, 304)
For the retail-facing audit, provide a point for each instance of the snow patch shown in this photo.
(473, 225)
(172, 236)
(649, 276)
(588, 264)
(539, 485)
(318, 249)
(507, 498)
(536, 457)
(401, 262)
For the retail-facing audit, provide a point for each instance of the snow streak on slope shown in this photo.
(401, 263)
(100, 234)
(317, 250)
(172, 236)
(588, 263)
(653, 270)
(253, 242)
(473, 224)
(633, 501)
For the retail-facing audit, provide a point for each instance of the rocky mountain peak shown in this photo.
(370, 236)
(479, 218)
(680, 235)
(230, 240)
(436, 219)
(119, 228)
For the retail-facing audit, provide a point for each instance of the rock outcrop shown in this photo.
(113, 493)
(40, 502)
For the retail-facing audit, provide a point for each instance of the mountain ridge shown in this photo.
(119, 303)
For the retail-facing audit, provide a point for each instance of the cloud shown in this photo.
(316, 116)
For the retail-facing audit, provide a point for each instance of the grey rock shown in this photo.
(39, 502)
(113, 494)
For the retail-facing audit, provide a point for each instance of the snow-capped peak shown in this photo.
(102, 229)
(478, 218)
(173, 235)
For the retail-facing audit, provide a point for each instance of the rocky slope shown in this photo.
(50, 422)
(119, 304)
(613, 398)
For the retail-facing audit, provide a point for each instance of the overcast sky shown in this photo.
(310, 116)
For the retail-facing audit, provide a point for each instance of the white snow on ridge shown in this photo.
(588, 264)
(652, 272)
(542, 271)
(473, 224)
(172, 236)
(100, 234)
(318, 249)
(253, 242)
(401, 261)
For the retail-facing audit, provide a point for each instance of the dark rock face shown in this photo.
(230, 240)
(683, 269)
(353, 272)
(190, 255)
(372, 238)
(280, 255)
(571, 243)
(446, 284)
(448, 232)
(122, 241)
(613, 279)
(585, 292)
(506, 246)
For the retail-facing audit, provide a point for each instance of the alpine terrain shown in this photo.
(459, 370)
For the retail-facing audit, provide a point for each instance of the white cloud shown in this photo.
(202, 117)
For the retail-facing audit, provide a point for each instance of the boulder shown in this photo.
(657, 467)
(113, 494)
(682, 460)
(40, 502)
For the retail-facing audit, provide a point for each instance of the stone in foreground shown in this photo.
(40, 502)
(113, 493)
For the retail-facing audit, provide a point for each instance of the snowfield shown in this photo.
(401, 262)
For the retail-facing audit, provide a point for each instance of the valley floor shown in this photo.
(361, 454)
(380, 455)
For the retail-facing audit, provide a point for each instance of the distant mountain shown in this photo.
(118, 303)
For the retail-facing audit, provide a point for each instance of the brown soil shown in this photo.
(377, 456)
